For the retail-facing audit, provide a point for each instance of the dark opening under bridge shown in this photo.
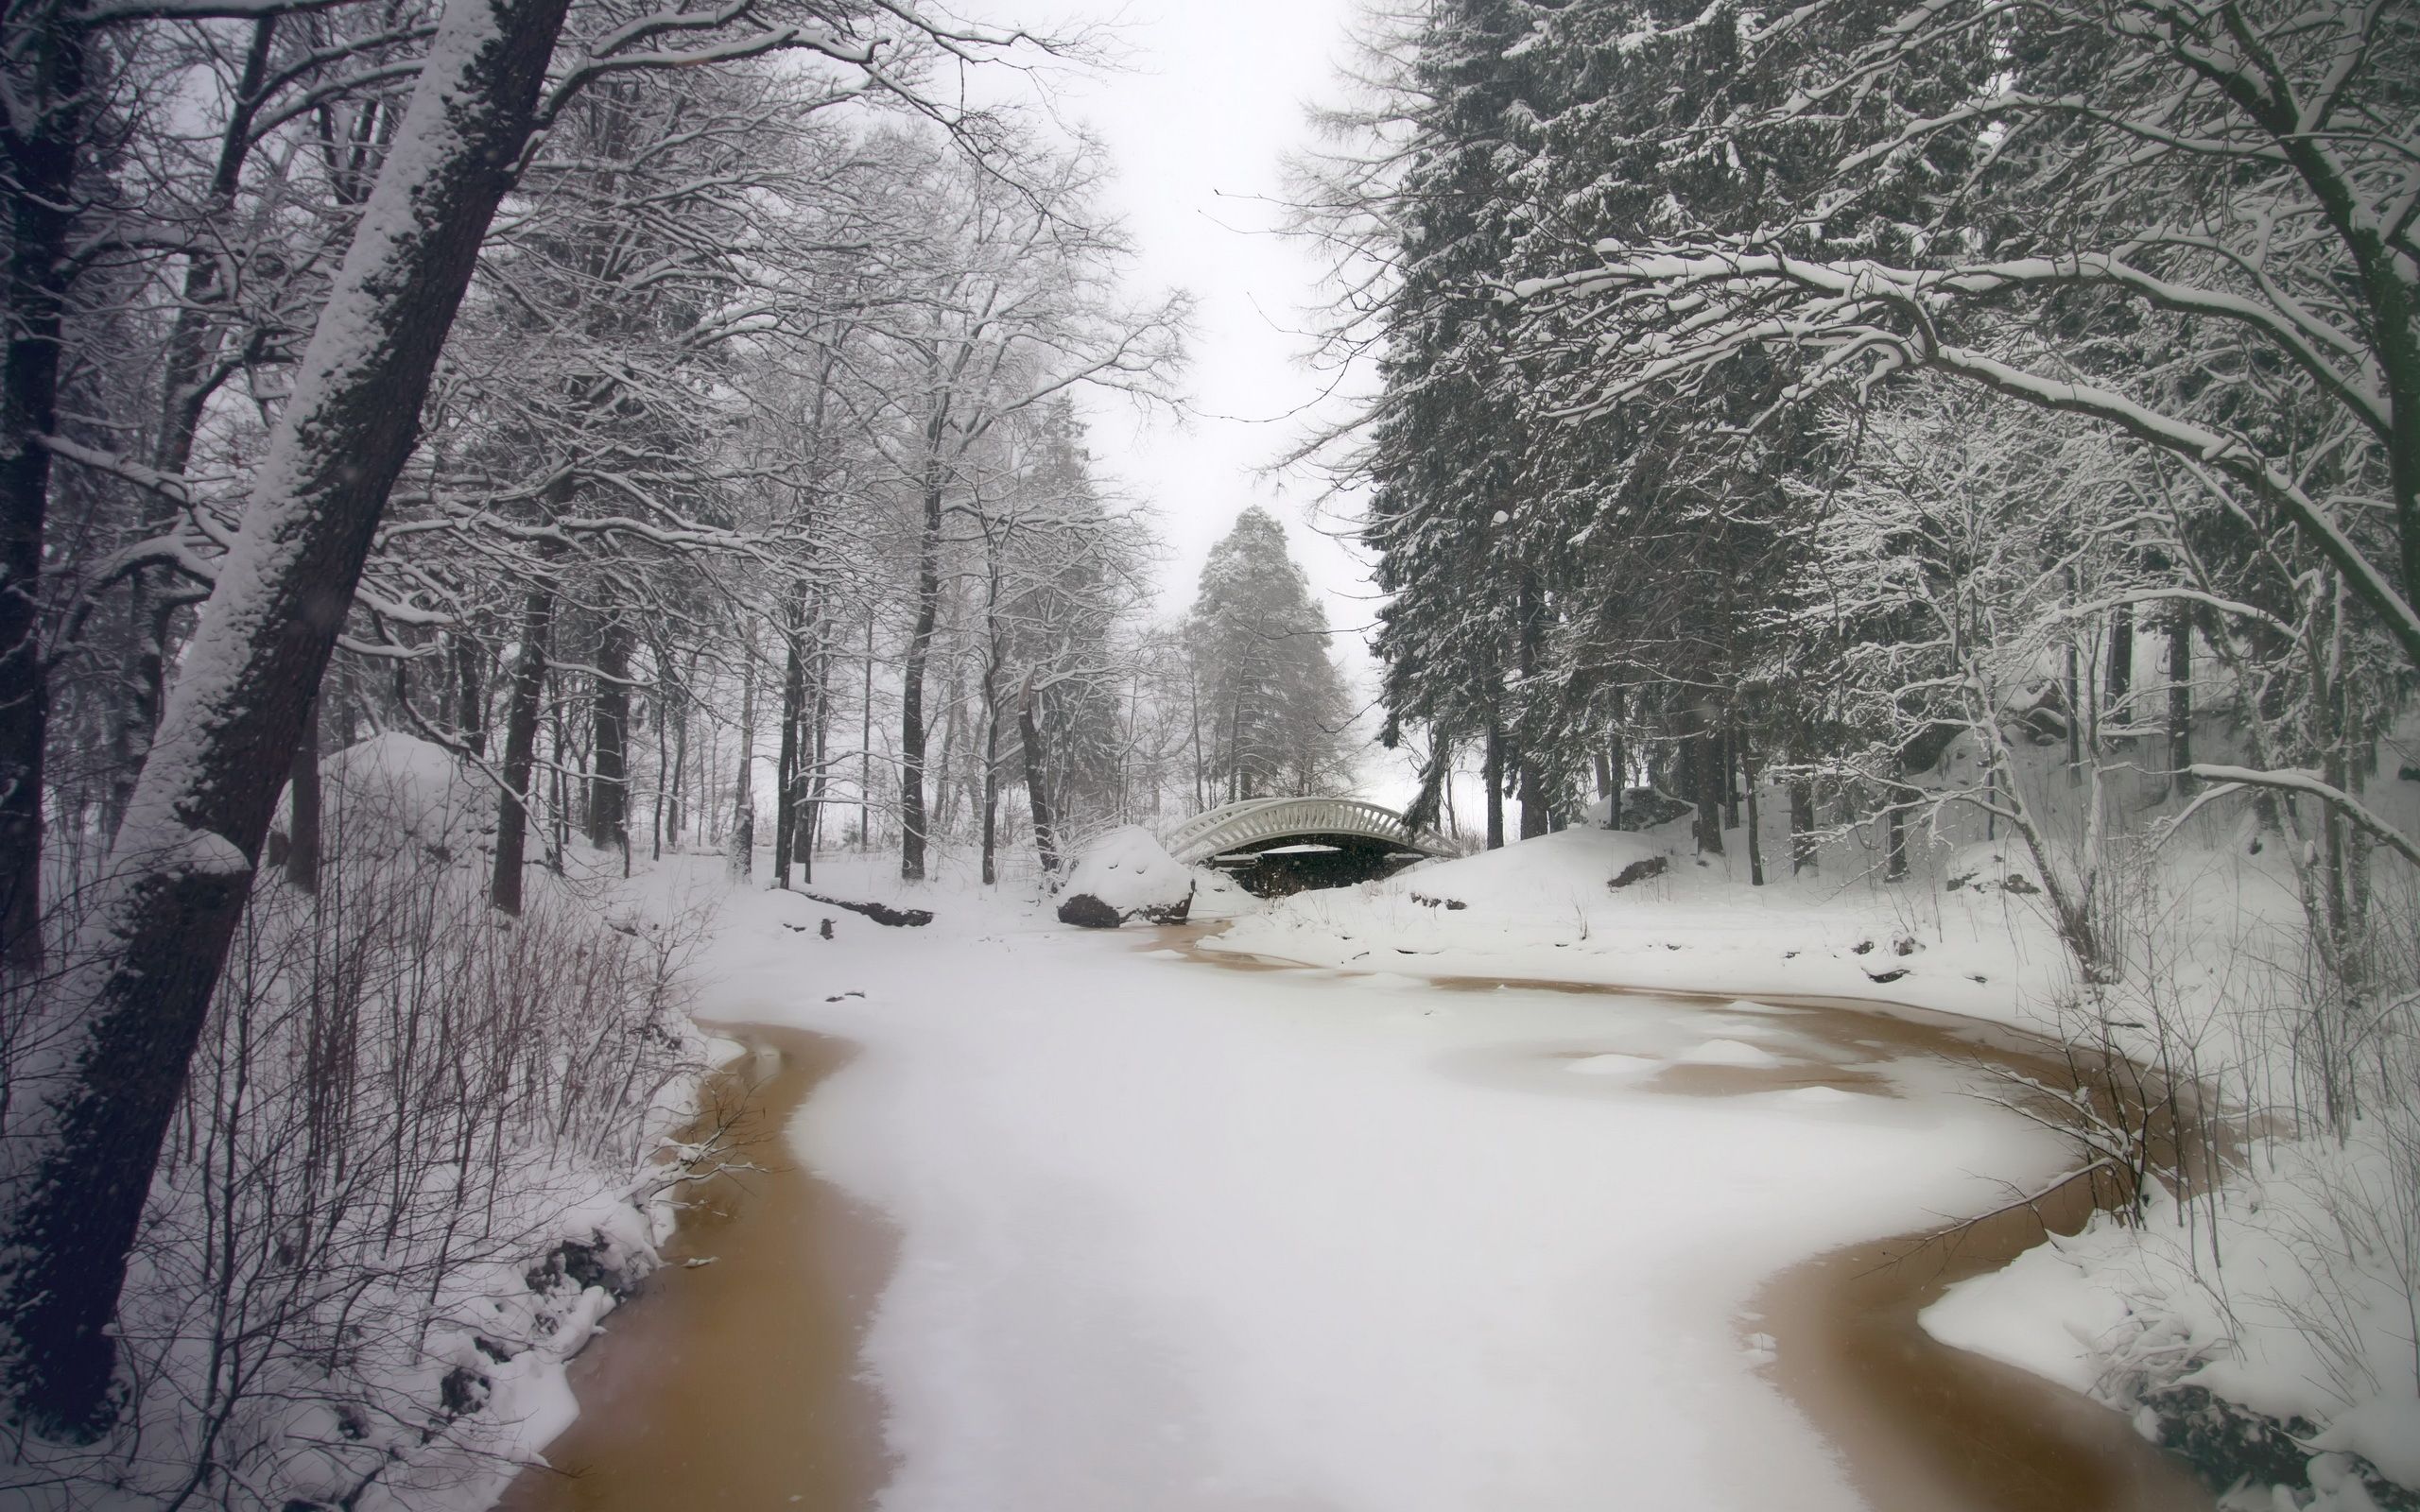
(1280, 844)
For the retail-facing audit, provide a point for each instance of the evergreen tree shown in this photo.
(1273, 702)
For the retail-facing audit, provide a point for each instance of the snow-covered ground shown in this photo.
(1181, 1236)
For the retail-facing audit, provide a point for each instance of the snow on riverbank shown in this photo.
(1542, 910)
(1182, 1237)
(2290, 1293)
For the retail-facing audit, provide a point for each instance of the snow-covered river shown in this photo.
(1114, 1227)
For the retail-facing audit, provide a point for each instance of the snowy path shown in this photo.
(1177, 1235)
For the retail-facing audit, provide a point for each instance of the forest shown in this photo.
(1765, 406)
(659, 426)
(465, 461)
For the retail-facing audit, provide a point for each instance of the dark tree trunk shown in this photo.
(1803, 847)
(1894, 842)
(41, 146)
(1734, 763)
(2121, 661)
(609, 781)
(742, 856)
(521, 709)
(991, 784)
(1756, 840)
(470, 692)
(2074, 689)
(183, 859)
(1492, 770)
(1529, 608)
(185, 386)
(810, 827)
(303, 806)
(785, 762)
(911, 685)
(1705, 757)
(2180, 695)
(1619, 758)
(1037, 791)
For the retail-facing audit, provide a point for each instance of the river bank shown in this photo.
(1165, 1242)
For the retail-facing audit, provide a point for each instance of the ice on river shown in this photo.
(1184, 1236)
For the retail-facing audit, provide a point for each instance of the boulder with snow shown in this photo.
(1127, 875)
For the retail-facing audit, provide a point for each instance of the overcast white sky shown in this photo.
(1213, 98)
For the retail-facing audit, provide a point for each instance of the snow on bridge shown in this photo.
(1259, 823)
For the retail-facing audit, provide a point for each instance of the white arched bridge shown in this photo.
(1296, 842)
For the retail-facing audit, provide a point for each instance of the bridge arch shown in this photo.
(1295, 842)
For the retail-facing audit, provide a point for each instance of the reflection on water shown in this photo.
(735, 1384)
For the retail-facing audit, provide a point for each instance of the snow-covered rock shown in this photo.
(1125, 875)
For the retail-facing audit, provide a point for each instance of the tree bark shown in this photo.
(785, 763)
(42, 141)
(911, 683)
(470, 694)
(193, 342)
(1492, 772)
(1803, 847)
(303, 806)
(1707, 778)
(2180, 696)
(1756, 840)
(1045, 822)
(2121, 681)
(521, 708)
(180, 868)
(743, 784)
(811, 812)
(1617, 757)
(609, 779)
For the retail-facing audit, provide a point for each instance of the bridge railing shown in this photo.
(1234, 825)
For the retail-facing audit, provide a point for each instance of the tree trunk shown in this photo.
(608, 781)
(1537, 816)
(785, 763)
(1045, 823)
(2180, 696)
(303, 806)
(911, 685)
(1617, 757)
(1492, 772)
(743, 784)
(1756, 840)
(1706, 777)
(184, 858)
(470, 692)
(521, 709)
(865, 744)
(192, 342)
(1734, 765)
(1803, 847)
(2121, 681)
(811, 812)
(991, 784)
(42, 139)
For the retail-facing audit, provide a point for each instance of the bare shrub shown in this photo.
(402, 1104)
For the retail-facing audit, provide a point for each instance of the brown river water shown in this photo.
(736, 1382)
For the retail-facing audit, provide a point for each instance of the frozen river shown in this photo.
(1088, 1223)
